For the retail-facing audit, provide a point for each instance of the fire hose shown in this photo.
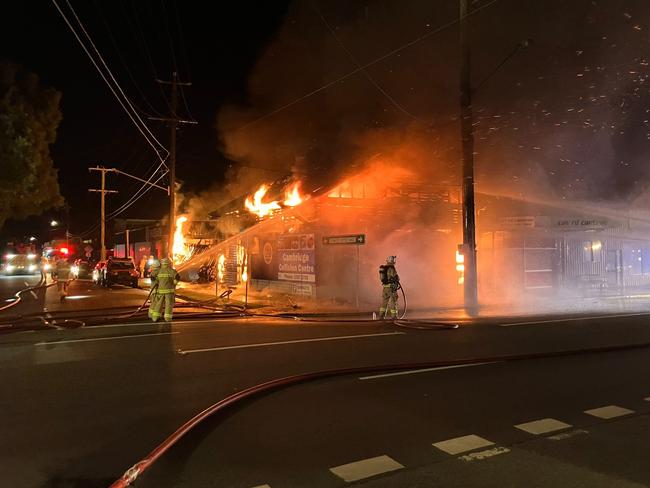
(137, 469)
(17, 295)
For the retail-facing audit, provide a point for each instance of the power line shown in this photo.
(365, 72)
(363, 67)
(124, 64)
(72, 29)
(111, 75)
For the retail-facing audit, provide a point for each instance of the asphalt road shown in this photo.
(81, 406)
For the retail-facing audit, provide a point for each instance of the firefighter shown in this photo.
(390, 284)
(164, 279)
(62, 277)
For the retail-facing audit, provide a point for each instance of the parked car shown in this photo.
(82, 268)
(21, 264)
(120, 271)
(98, 273)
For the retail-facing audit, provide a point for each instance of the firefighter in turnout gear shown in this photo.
(163, 281)
(390, 284)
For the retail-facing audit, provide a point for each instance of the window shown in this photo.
(591, 251)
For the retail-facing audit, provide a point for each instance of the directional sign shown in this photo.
(347, 239)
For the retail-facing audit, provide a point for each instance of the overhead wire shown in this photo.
(354, 60)
(125, 65)
(132, 112)
(363, 67)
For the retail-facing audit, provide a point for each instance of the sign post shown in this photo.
(349, 239)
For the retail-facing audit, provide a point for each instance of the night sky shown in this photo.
(140, 40)
(567, 117)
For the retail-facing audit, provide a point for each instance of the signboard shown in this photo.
(347, 239)
(297, 258)
(519, 221)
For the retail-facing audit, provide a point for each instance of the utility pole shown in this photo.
(467, 136)
(103, 193)
(173, 121)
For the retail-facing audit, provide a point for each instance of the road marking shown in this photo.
(647, 399)
(568, 435)
(609, 412)
(477, 456)
(574, 319)
(262, 486)
(366, 468)
(297, 341)
(90, 339)
(465, 443)
(542, 426)
(424, 370)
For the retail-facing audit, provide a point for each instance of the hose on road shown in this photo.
(137, 469)
(41, 284)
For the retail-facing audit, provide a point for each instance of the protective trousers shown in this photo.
(388, 301)
(162, 305)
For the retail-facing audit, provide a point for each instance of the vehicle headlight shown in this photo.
(75, 270)
(47, 267)
(32, 267)
(31, 256)
(10, 267)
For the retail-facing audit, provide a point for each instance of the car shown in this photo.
(21, 264)
(82, 268)
(98, 273)
(120, 271)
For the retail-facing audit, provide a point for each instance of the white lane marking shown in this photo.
(568, 435)
(296, 341)
(424, 370)
(542, 426)
(462, 444)
(477, 456)
(647, 399)
(90, 339)
(574, 319)
(262, 486)
(366, 468)
(33, 293)
(609, 412)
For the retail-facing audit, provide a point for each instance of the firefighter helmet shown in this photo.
(391, 259)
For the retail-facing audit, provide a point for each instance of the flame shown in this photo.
(292, 195)
(179, 250)
(257, 206)
(244, 274)
(221, 267)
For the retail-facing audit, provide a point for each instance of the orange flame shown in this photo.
(292, 195)
(179, 250)
(221, 267)
(257, 206)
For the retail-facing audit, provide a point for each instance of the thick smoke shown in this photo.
(567, 114)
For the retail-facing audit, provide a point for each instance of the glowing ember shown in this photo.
(179, 249)
(257, 206)
(292, 195)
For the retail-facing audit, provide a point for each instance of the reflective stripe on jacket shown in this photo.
(166, 278)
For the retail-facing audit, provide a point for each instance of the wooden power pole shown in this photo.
(467, 137)
(173, 121)
(103, 193)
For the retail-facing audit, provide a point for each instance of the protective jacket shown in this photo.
(390, 284)
(163, 281)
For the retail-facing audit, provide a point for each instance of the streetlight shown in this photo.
(54, 223)
(32, 239)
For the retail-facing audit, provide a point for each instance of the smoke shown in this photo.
(566, 115)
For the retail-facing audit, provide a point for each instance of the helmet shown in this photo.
(391, 259)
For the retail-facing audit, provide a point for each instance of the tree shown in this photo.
(29, 118)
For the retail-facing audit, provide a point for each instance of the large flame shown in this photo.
(179, 249)
(257, 206)
(221, 267)
(292, 195)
